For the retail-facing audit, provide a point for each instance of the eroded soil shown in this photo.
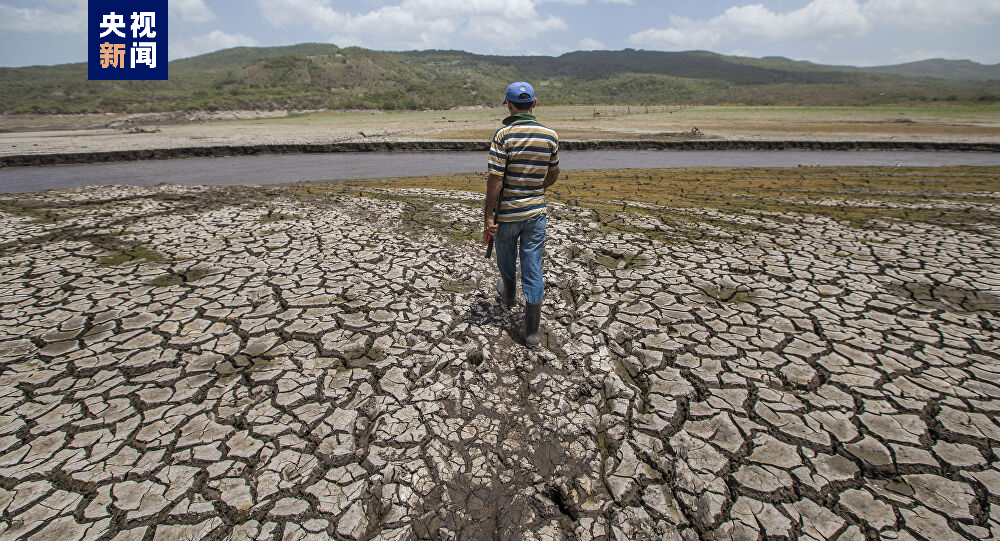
(331, 361)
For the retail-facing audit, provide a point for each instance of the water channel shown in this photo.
(286, 168)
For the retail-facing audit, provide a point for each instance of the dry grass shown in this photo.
(664, 123)
(855, 189)
(673, 186)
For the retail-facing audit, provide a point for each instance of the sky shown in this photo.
(839, 32)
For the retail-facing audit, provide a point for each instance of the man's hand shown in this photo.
(494, 184)
(489, 229)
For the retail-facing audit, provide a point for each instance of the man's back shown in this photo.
(522, 153)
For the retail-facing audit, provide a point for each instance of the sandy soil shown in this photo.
(49, 134)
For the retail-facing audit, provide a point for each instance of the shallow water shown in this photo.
(286, 168)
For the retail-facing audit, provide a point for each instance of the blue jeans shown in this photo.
(531, 234)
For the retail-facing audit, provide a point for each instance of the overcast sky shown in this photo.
(846, 32)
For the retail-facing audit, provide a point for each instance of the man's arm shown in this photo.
(494, 183)
(551, 176)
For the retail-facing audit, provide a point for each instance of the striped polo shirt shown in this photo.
(522, 152)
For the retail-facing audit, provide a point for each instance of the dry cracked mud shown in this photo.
(268, 363)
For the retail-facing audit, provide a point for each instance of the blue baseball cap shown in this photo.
(518, 88)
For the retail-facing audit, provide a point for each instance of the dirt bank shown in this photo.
(437, 146)
(104, 137)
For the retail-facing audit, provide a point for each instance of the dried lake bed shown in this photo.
(37, 135)
(801, 353)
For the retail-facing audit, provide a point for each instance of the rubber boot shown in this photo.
(532, 316)
(507, 290)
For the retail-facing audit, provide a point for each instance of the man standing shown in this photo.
(524, 160)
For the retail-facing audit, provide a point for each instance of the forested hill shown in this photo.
(310, 76)
(943, 69)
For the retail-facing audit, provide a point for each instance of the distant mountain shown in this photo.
(942, 69)
(688, 65)
(313, 75)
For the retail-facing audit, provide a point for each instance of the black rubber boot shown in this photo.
(507, 290)
(532, 316)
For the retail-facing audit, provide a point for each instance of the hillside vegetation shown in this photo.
(312, 76)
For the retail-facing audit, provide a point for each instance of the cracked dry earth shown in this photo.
(266, 363)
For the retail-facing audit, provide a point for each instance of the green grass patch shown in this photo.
(612, 260)
(458, 286)
(131, 255)
(728, 295)
(465, 236)
(37, 215)
(607, 261)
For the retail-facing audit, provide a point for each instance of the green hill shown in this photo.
(311, 75)
(943, 69)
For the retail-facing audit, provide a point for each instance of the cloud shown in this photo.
(673, 38)
(590, 44)
(933, 15)
(213, 41)
(194, 11)
(71, 15)
(80, 4)
(419, 24)
(818, 19)
(629, 2)
(43, 19)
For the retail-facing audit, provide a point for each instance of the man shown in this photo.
(524, 160)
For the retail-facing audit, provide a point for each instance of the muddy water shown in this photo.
(279, 169)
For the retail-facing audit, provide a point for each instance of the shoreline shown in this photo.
(35, 160)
